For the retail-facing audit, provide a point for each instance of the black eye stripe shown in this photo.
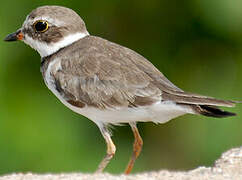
(40, 26)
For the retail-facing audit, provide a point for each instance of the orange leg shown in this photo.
(137, 147)
(110, 150)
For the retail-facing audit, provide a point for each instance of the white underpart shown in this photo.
(45, 49)
(160, 112)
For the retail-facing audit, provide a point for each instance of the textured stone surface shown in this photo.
(228, 167)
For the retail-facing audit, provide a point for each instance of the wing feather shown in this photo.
(105, 84)
(104, 74)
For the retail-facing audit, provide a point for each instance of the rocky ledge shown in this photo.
(227, 167)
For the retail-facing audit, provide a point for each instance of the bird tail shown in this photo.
(203, 105)
(212, 111)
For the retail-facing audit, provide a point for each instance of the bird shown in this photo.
(104, 81)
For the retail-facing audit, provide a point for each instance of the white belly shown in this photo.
(159, 113)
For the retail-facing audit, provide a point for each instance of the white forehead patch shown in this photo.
(50, 20)
(55, 22)
(45, 49)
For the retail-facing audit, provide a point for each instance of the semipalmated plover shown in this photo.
(104, 81)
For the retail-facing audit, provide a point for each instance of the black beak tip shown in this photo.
(12, 37)
(6, 38)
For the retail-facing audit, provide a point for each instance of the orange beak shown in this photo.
(14, 36)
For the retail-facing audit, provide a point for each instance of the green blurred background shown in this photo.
(196, 44)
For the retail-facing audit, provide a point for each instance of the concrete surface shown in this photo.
(228, 167)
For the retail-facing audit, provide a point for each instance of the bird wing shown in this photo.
(104, 74)
(95, 79)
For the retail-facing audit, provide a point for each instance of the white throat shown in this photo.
(45, 49)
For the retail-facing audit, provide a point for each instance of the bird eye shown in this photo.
(41, 26)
